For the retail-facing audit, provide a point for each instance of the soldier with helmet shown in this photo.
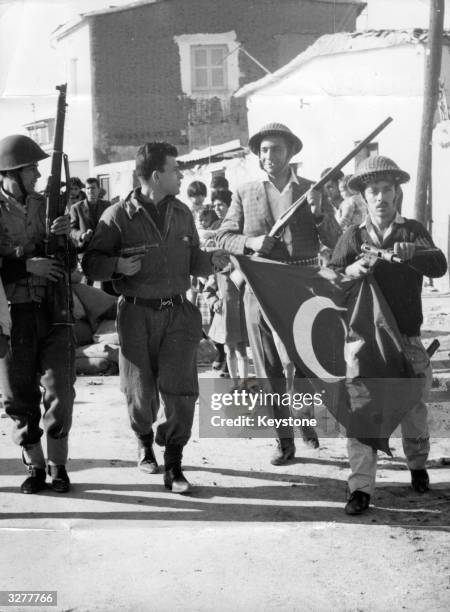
(254, 209)
(40, 354)
(378, 179)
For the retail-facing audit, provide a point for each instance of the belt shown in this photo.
(156, 304)
(312, 261)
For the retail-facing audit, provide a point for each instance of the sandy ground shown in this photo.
(251, 536)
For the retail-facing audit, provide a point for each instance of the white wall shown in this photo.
(398, 14)
(78, 136)
(355, 92)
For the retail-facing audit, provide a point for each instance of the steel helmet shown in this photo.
(18, 151)
(275, 129)
(377, 168)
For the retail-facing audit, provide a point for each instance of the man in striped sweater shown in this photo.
(378, 179)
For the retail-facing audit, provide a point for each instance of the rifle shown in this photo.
(283, 219)
(59, 293)
(375, 254)
(278, 227)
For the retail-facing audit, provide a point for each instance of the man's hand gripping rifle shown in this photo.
(372, 254)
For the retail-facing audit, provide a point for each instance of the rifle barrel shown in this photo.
(284, 218)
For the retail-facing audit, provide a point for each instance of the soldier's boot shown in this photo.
(309, 436)
(57, 453)
(174, 479)
(146, 457)
(33, 457)
(420, 481)
(284, 451)
(60, 478)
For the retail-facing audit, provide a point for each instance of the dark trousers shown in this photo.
(41, 355)
(266, 358)
(158, 353)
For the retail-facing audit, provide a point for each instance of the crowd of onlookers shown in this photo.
(219, 300)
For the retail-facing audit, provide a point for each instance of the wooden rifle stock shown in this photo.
(59, 293)
(279, 224)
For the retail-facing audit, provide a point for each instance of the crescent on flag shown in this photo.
(302, 328)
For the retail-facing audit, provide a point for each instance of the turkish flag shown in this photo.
(343, 338)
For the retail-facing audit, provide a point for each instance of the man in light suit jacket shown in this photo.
(255, 207)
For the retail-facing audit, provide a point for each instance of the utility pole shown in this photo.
(430, 98)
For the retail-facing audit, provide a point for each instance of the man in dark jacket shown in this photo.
(253, 211)
(148, 246)
(85, 215)
(378, 179)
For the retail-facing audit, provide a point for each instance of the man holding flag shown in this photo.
(255, 207)
(378, 179)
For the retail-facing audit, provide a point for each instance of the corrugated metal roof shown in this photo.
(343, 42)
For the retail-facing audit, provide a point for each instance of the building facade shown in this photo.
(168, 69)
(338, 91)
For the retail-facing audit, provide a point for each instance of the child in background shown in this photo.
(207, 218)
(207, 226)
(228, 326)
(353, 209)
(196, 193)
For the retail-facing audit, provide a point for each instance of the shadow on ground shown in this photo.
(280, 498)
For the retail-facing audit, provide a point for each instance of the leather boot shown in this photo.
(309, 436)
(60, 479)
(420, 481)
(146, 457)
(174, 479)
(358, 503)
(33, 458)
(285, 450)
(35, 481)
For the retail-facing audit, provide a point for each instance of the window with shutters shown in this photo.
(209, 68)
(209, 64)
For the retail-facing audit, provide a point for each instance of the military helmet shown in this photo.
(377, 168)
(18, 151)
(275, 129)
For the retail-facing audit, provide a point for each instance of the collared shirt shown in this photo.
(401, 284)
(171, 255)
(279, 202)
(156, 211)
(378, 235)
